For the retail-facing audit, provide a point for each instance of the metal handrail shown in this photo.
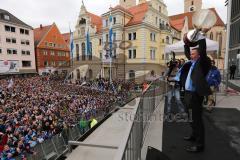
(121, 153)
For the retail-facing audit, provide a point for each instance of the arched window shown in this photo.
(90, 74)
(167, 40)
(220, 43)
(211, 35)
(78, 74)
(83, 51)
(132, 75)
(77, 52)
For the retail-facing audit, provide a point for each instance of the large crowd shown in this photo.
(36, 108)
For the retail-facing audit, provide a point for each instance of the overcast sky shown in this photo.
(65, 12)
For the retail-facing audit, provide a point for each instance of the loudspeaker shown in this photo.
(154, 154)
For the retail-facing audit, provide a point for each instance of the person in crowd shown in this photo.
(37, 108)
(233, 68)
(214, 80)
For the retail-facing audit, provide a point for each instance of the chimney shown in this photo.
(41, 26)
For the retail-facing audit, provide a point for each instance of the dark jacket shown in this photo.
(200, 70)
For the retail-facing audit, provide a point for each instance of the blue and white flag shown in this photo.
(71, 45)
(88, 43)
(110, 34)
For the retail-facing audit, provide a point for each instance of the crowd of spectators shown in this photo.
(36, 108)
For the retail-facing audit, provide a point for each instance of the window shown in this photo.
(25, 52)
(132, 53)
(78, 74)
(192, 3)
(106, 37)
(129, 36)
(46, 43)
(7, 28)
(45, 63)
(11, 40)
(27, 43)
(50, 44)
(132, 75)
(52, 53)
(21, 31)
(77, 52)
(8, 40)
(114, 36)
(14, 40)
(191, 9)
(152, 36)
(24, 31)
(156, 19)
(14, 51)
(167, 40)
(101, 55)
(132, 36)
(0, 50)
(83, 51)
(160, 9)
(27, 32)
(106, 22)
(152, 54)
(100, 42)
(114, 20)
(11, 51)
(12, 29)
(26, 63)
(6, 17)
(53, 63)
(45, 53)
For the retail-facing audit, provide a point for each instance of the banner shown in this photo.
(9, 67)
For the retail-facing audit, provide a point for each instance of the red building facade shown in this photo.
(52, 51)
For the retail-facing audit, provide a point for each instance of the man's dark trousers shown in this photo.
(194, 106)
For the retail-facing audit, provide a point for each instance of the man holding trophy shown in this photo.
(193, 76)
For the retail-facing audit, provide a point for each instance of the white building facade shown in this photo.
(17, 54)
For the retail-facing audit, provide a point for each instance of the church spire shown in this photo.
(192, 5)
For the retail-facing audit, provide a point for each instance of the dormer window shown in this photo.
(6, 17)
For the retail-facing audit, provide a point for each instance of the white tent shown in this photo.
(178, 47)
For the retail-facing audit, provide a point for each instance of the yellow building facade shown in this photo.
(140, 33)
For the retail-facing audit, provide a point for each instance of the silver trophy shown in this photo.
(202, 20)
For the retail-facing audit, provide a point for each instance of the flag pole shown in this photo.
(110, 42)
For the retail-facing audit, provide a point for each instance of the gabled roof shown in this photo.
(12, 19)
(40, 32)
(177, 21)
(66, 37)
(138, 13)
(119, 7)
(96, 21)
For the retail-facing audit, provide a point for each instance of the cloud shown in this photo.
(65, 12)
